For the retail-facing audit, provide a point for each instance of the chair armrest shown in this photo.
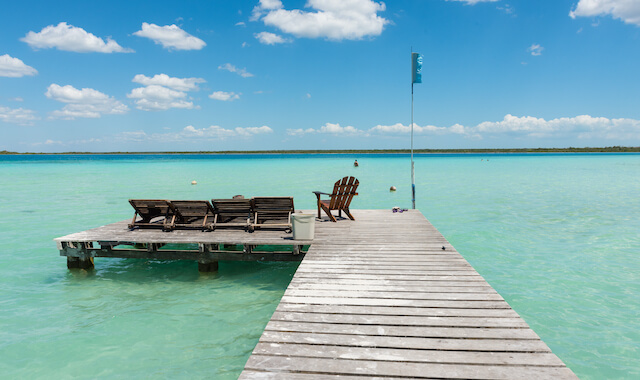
(320, 192)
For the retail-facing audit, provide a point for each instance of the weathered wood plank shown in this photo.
(516, 322)
(363, 331)
(407, 355)
(446, 344)
(396, 302)
(396, 310)
(319, 286)
(405, 369)
(494, 296)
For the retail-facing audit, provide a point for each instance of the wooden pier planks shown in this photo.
(379, 298)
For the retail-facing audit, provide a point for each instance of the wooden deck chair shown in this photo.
(272, 212)
(343, 192)
(191, 214)
(231, 213)
(150, 213)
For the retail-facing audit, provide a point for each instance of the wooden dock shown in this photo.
(380, 298)
(205, 247)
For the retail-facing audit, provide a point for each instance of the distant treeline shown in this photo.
(609, 149)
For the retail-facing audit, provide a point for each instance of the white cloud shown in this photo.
(270, 38)
(14, 68)
(224, 96)
(581, 127)
(191, 133)
(70, 38)
(87, 102)
(625, 10)
(535, 49)
(180, 84)
(18, 116)
(328, 128)
(162, 92)
(473, 2)
(404, 129)
(170, 37)
(331, 19)
(231, 68)
(159, 98)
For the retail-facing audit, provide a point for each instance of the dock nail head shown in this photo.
(443, 247)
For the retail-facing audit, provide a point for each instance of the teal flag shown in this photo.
(416, 68)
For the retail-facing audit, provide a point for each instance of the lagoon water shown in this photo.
(557, 235)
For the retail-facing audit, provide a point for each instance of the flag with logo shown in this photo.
(416, 68)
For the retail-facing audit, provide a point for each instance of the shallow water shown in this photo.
(556, 235)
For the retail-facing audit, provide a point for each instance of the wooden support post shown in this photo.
(79, 262)
(208, 266)
(297, 249)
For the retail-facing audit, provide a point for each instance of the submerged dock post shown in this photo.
(207, 266)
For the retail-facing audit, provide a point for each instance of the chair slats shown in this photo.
(272, 212)
(192, 214)
(231, 213)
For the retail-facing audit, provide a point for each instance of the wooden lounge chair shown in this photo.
(150, 213)
(343, 192)
(191, 214)
(231, 213)
(272, 212)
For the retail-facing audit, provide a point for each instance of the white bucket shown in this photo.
(303, 226)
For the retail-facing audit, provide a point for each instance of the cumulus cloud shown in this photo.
(159, 98)
(14, 68)
(180, 84)
(224, 96)
(191, 133)
(404, 129)
(535, 49)
(18, 116)
(86, 103)
(162, 92)
(581, 127)
(328, 128)
(170, 37)
(270, 38)
(70, 38)
(331, 19)
(231, 68)
(625, 10)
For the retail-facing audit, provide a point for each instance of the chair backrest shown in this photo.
(232, 207)
(343, 192)
(150, 208)
(272, 204)
(189, 209)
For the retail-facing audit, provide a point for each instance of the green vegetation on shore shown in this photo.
(610, 149)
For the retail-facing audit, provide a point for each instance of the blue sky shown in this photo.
(317, 74)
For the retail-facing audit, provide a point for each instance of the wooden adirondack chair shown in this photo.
(191, 214)
(343, 192)
(150, 213)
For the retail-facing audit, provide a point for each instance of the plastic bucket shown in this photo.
(303, 226)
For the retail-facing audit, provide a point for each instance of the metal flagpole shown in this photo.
(416, 77)
(413, 172)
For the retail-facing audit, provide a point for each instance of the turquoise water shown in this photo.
(557, 235)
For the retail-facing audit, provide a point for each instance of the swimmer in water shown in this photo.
(355, 163)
